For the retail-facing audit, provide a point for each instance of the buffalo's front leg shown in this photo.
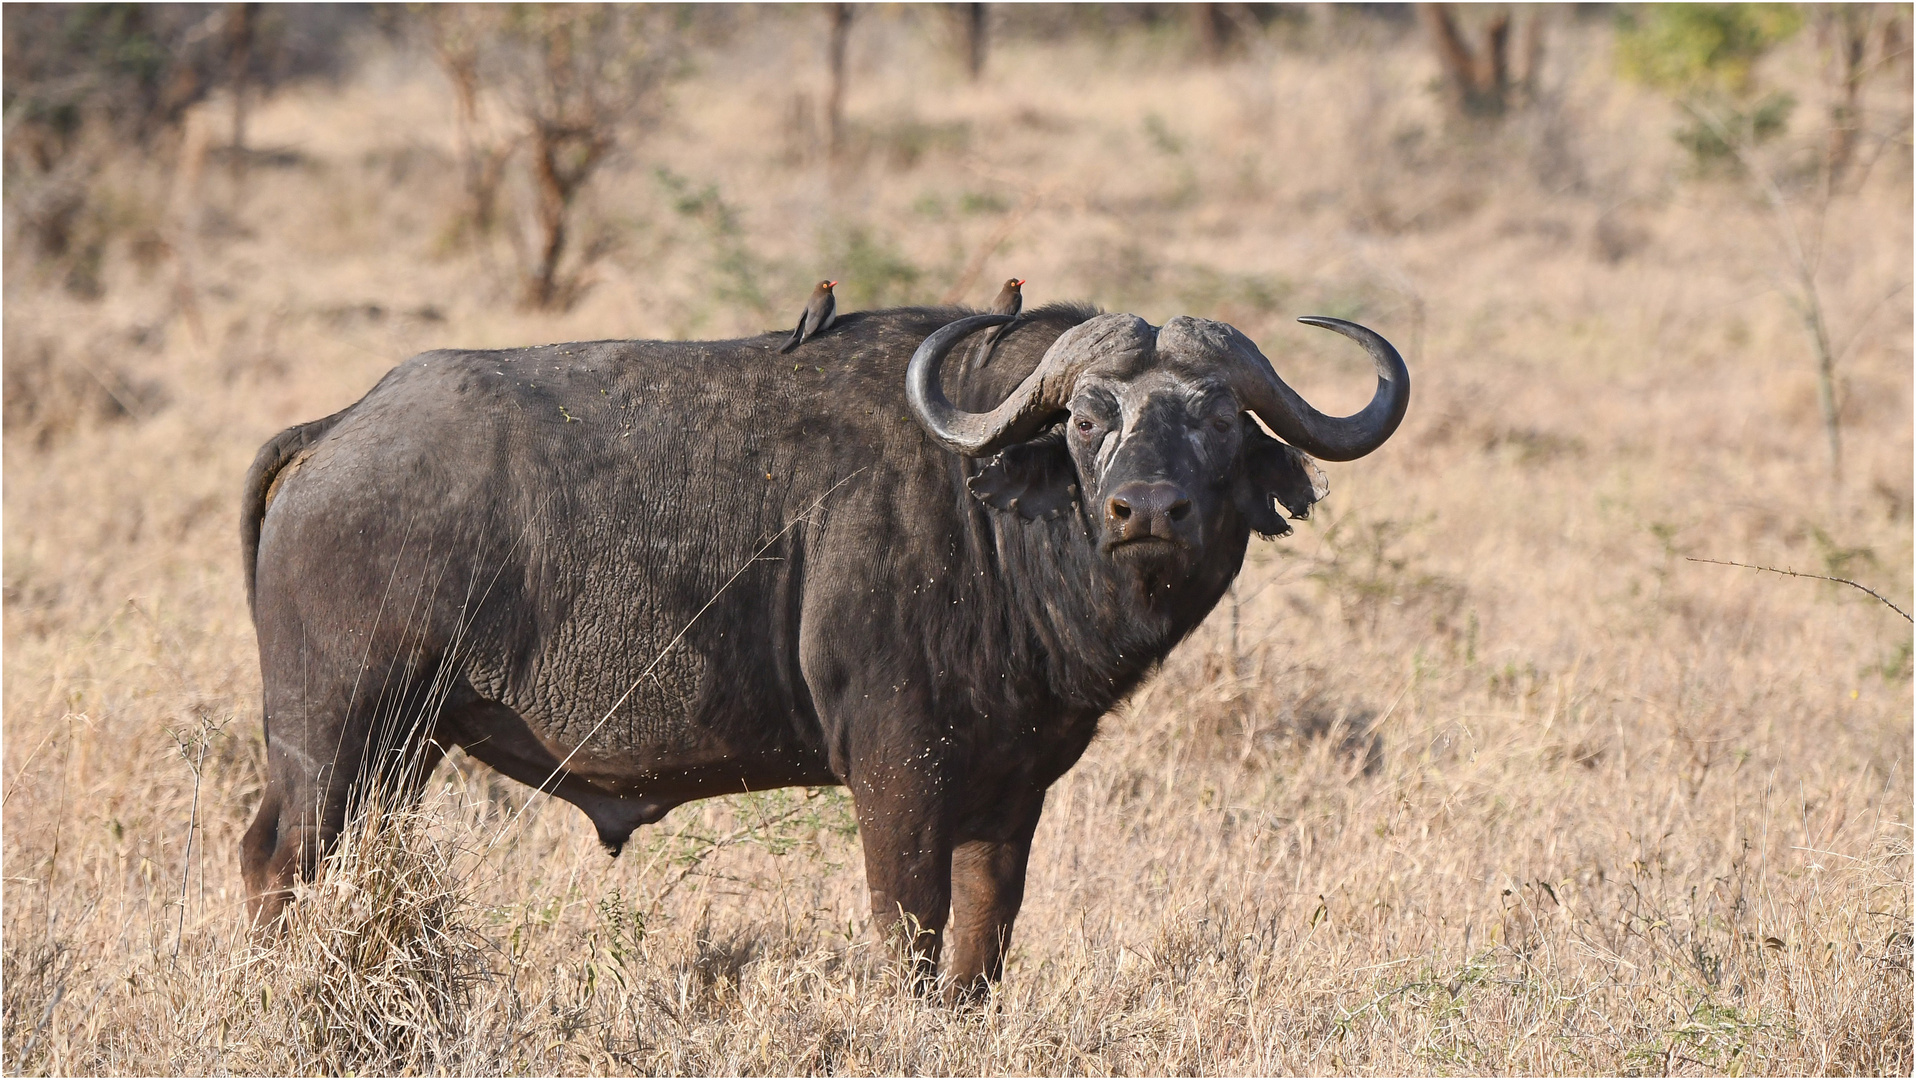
(987, 888)
(903, 821)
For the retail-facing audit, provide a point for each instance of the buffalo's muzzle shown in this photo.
(1146, 510)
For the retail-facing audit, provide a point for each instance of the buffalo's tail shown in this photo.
(261, 482)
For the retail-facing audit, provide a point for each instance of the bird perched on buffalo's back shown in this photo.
(1010, 301)
(817, 317)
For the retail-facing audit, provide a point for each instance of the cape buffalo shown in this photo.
(637, 573)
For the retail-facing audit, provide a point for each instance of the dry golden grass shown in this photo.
(1478, 774)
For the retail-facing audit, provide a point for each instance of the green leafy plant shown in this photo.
(1705, 57)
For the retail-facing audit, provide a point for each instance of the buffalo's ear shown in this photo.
(1275, 472)
(1035, 478)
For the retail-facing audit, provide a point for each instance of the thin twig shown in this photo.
(716, 844)
(14, 784)
(1862, 323)
(1819, 577)
(1804, 260)
(192, 825)
(59, 991)
(133, 408)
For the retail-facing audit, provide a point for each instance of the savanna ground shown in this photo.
(1477, 773)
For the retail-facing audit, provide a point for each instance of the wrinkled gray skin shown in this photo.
(639, 573)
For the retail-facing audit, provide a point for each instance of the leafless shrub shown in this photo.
(458, 34)
(580, 82)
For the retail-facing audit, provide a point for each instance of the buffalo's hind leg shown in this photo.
(288, 837)
(267, 866)
(327, 754)
(300, 815)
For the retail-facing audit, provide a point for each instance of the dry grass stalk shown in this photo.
(375, 967)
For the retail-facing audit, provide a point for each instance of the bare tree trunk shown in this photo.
(1812, 314)
(1808, 300)
(239, 37)
(1452, 52)
(1532, 50)
(1895, 44)
(1494, 79)
(835, 97)
(1213, 31)
(567, 146)
(1848, 27)
(462, 70)
(975, 27)
(457, 50)
(562, 160)
(484, 165)
(542, 287)
(1481, 83)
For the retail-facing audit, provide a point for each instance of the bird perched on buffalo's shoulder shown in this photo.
(1010, 301)
(819, 313)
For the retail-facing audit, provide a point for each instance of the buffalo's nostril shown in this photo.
(1147, 509)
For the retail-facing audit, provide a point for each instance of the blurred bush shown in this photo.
(1683, 48)
(84, 82)
(1705, 56)
(51, 387)
(133, 70)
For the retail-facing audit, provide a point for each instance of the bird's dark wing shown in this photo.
(991, 343)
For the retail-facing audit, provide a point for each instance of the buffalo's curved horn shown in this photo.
(1036, 400)
(1329, 438)
(957, 430)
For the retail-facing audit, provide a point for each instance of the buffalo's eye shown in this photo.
(1220, 425)
(1086, 427)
